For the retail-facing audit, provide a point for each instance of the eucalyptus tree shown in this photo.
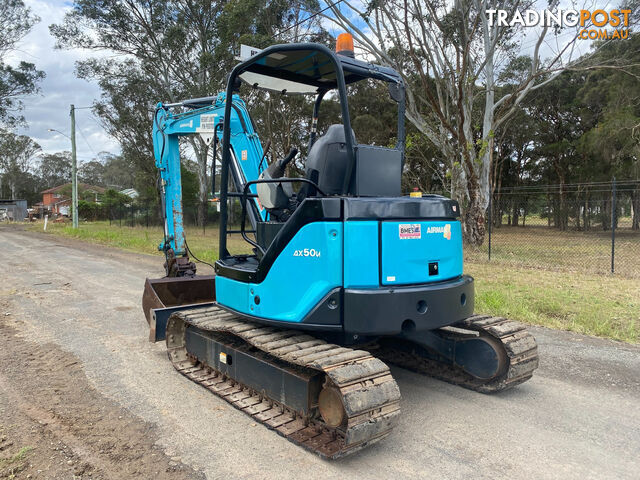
(17, 158)
(54, 169)
(152, 50)
(17, 81)
(452, 56)
(146, 51)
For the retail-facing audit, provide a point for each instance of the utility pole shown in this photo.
(74, 169)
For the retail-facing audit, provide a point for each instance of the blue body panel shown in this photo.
(326, 255)
(304, 272)
(361, 254)
(409, 246)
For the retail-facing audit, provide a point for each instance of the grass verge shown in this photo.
(204, 244)
(594, 304)
(600, 305)
(570, 251)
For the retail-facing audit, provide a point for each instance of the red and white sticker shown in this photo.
(409, 230)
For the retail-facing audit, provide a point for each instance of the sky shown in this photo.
(60, 89)
(50, 108)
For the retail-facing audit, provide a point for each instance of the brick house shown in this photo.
(57, 202)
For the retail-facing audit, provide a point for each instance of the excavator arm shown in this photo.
(203, 117)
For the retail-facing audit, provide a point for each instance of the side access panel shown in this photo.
(415, 252)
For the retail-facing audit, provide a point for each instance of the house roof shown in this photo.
(130, 192)
(81, 186)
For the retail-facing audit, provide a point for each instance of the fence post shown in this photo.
(120, 214)
(490, 219)
(613, 223)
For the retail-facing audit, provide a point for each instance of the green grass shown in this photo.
(599, 305)
(564, 295)
(11, 466)
(144, 239)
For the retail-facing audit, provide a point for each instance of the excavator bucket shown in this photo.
(164, 296)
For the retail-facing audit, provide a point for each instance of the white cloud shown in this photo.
(60, 89)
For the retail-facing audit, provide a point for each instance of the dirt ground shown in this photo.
(83, 394)
(56, 425)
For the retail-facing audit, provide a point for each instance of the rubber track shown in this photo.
(370, 395)
(519, 345)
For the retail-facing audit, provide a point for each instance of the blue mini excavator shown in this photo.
(344, 273)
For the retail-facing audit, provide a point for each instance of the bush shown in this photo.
(92, 211)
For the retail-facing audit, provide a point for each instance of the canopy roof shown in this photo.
(307, 69)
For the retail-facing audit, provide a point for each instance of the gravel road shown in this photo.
(65, 301)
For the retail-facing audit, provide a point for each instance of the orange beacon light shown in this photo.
(344, 45)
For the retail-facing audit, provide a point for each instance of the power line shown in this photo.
(556, 192)
(331, 5)
(86, 141)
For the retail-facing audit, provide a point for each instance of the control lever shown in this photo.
(277, 168)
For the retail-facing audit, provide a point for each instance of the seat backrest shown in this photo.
(377, 172)
(327, 160)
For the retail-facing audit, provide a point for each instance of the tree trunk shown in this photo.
(605, 214)
(497, 202)
(578, 212)
(474, 222)
(203, 185)
(515, 220)
(563, 208)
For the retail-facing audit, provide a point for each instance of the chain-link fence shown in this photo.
(587, 227)
(149, 214)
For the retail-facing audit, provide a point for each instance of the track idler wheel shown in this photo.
(483, 357)
(330, 405)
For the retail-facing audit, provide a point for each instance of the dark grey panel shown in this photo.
(382, 311)
(427, 207)
(378, 172)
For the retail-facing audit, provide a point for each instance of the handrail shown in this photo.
(245, 195)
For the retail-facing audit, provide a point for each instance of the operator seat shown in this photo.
(327, 162)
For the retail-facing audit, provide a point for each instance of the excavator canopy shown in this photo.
(307, 68)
